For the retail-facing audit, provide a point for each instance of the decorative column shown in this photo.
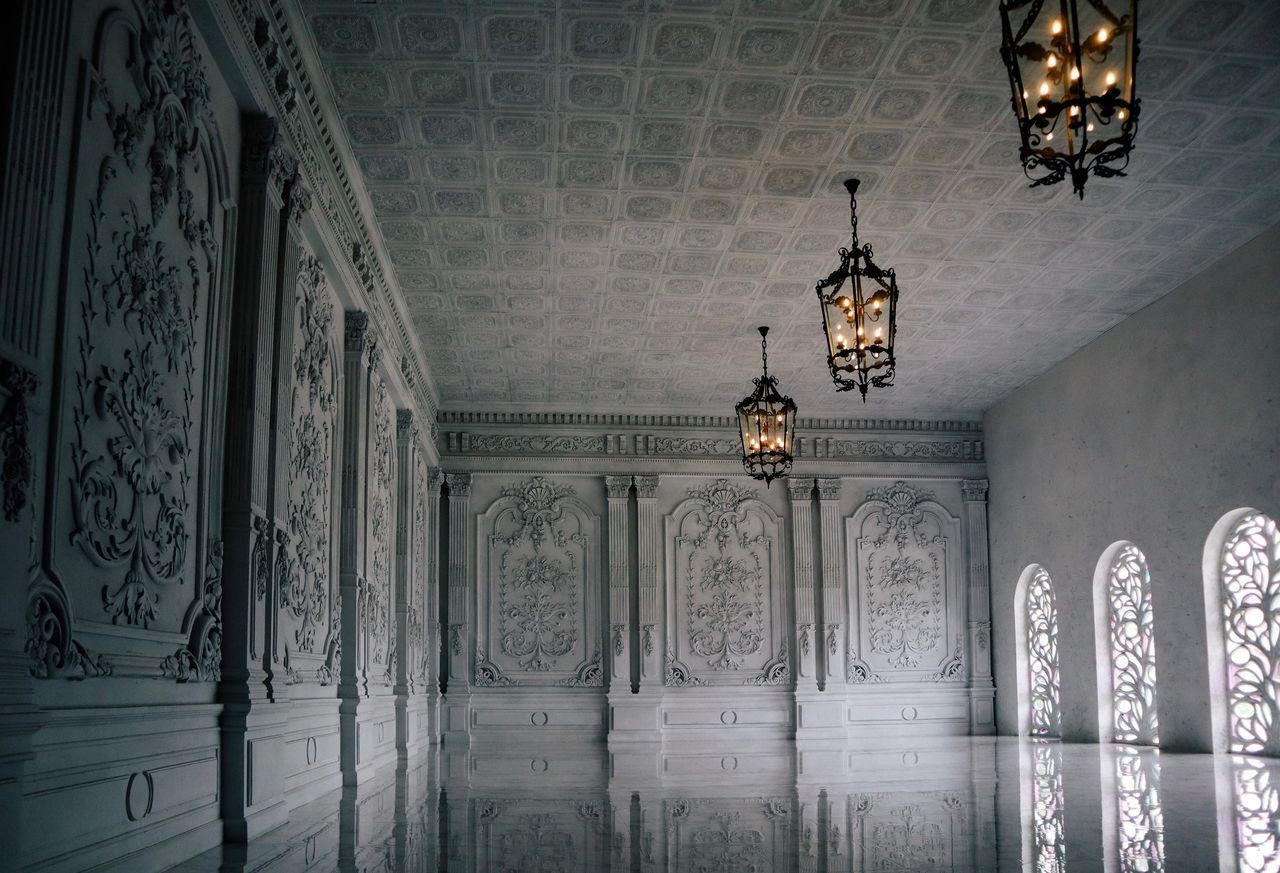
(801, 494)
(982, 693)
(432, 618)
(820, 716)
(252, 728)
(618, 489)
(360, 361)
(457, 701)
(831, 650)
(650, 551)
(297, 200)
(635, 727)
(408, 584)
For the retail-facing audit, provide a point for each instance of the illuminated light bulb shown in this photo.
(1121, 113)
(1056, 27)
(879, 331)
(1089, 127)
(1044, 89)
(859, 330)
(1053, 61)
(1104, 35)
(1048, 136)
(1075, 73)
(1075, 110)
(845, 303)
(1025, 95)
(1042, 111)
(779, 419)
(1111, 80)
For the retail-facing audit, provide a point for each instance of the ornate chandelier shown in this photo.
(860, 320)
(1071, 67)
(767, 422)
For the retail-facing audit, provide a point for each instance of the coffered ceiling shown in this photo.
(590, 206)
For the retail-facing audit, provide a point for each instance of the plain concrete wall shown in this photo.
(1150, 433)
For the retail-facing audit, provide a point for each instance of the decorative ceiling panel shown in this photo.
(591, 204)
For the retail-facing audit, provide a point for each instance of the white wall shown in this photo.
(1150, 433)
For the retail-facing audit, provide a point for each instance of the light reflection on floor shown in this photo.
(947, 807)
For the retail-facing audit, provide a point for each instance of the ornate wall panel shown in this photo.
(539, 617)
(132, 558)
(726, 609)
(377, 609)
(308, 593)
(907, 608)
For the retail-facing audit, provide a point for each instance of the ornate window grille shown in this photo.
(1249, 582)
(1041, 623)
(1130, 629)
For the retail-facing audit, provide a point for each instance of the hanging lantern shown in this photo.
(767, 422)
(1071, 67)
(859, 314)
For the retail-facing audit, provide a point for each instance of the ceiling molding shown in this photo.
(666, 422)
(260, 30)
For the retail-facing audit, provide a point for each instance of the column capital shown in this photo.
(459, 484)
(406, 430)
(801, 490)
(974, 490)
(646, 486)
(264, 156)
(618, 487)
(435, 476)
(828, 489)
(297, 199)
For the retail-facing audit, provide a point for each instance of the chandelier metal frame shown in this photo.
(859, 323)
(1080, 114)
(767, 424)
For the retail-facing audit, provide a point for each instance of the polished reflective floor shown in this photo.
(954, 806)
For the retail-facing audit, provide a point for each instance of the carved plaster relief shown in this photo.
(308, 589)
(135, 416)
(539, 621)
(907, 609)
(726, 612)
(379, 591)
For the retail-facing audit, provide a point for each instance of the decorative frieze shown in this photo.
(266, 37)
(642, 444)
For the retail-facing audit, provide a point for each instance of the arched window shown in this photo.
(1036, 622)
(1242, 599)
(1126, 648)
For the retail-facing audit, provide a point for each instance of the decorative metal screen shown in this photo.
(1250, 585)
(1130, 625)
(1042, 656)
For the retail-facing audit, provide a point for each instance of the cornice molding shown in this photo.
(263, 31)
(594, 419)
(883, 446)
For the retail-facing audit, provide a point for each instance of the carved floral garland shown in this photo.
(133, 432)
(305, 594)
(904, 586)
(538, 589)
